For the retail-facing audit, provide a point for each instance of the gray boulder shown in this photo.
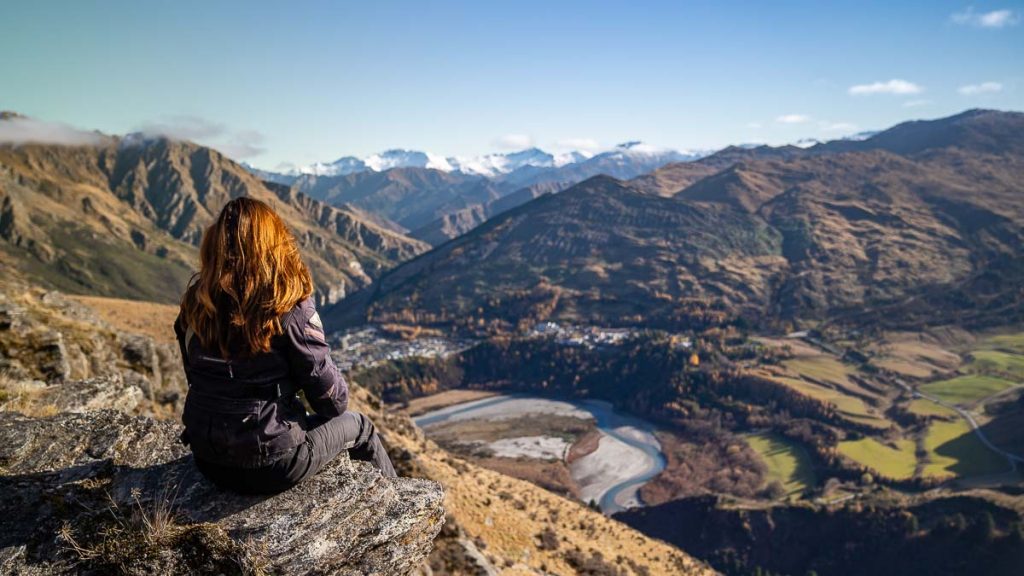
(104, 492)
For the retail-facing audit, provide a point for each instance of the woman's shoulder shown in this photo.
(300, 313)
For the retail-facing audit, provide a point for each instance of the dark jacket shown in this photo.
(243, 411)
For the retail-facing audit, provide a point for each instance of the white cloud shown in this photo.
(837, 126)
(183, 128)
(20, 130)
(514, 142)
(243, 144)
(793, 119)
(983, 88)
(754, 125)
(993, 19)
(916, 103)
(238, 145)
(581, 144)
(894, 86)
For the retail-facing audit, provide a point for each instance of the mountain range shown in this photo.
(435, 199)
(490, 165)
(424, 194)
(124, 216)
(919, 216)
(924, 210)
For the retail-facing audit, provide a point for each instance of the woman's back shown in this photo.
(250, 339)
(243, 410)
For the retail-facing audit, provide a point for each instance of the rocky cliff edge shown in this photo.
(104, 492)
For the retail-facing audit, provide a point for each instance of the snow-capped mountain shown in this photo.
(488, 165)
(399, 158)
(636, 150)
(492, 165)
(566, 158)
(345, 165)
(631, 159)
(386, 160)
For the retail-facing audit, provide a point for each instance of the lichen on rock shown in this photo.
(83, 492)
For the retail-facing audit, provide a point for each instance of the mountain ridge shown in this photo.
(823, 232)
(124, 218)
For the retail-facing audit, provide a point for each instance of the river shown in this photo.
(628, 454)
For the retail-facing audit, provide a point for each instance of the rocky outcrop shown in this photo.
(105, 492)
(62, 354)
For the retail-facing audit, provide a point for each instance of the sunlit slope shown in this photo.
(123, 218)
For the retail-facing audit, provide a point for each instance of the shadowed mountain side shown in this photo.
(123, 218)
(461, 221)
(597, 252)
(943, 535)
(411, 197)
(1006, 427)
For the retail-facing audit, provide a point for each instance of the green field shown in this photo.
(849, 407)
(1007, 342)
(997, 362)
(953, 450)
(787, 462)
(924, 407)
(966, 389)
(898, 463)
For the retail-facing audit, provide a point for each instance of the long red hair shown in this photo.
(250, 274)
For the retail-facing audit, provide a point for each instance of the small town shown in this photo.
(591, 336)
(367, 346)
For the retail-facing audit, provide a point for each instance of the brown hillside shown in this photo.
(123, 218)
(777, 235)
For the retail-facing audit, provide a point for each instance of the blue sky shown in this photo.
(280, 82)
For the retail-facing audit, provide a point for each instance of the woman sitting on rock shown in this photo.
(250, 339)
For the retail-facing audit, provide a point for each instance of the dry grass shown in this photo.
(915, 355)
(440, 400)
(141, 539)
(24, 397)
(146, 318)
(509, 524)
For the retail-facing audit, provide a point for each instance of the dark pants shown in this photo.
(325, 439)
